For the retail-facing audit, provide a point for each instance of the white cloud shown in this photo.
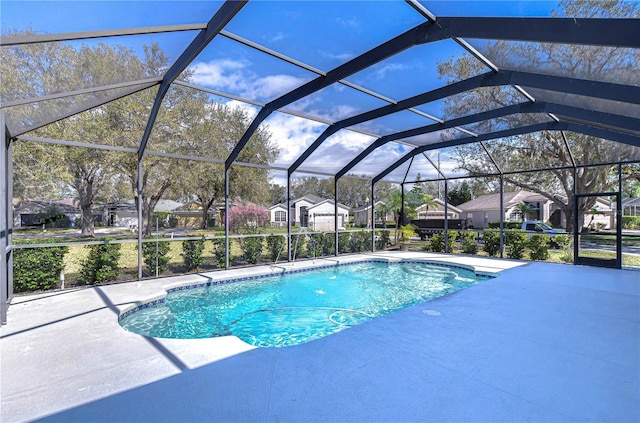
(380, 71)
(343, 57)
(279, 36)
(234, 77)
(352, 23)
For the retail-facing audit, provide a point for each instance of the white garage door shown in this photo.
(324, 222)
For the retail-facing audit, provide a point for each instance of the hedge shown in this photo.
(102, 263)
(37, 268)
(631, 222)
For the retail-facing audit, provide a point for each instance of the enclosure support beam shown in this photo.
(140, 221)
(446, 217)
(501, 216)
(576, 232)
(288, 214)
(7, 216)
(226, 219)
(335, 216)
(619, 220)
(373, 220)
(401, 222)
(598, 32)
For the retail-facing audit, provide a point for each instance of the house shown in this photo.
(322, 216)
(362, 215)
(486, 208)
(300, 209)
(310, 211)
(189, 215)
(631, 207)
(437, 211)
(121, 214)
(278, 214)
(52, 214)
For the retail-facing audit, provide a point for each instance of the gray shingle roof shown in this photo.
(492, 201)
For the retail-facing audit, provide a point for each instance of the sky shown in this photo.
(320, 34)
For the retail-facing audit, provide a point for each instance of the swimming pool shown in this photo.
(296, 307)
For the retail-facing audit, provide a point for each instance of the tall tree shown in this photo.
(459, 193)
(40, 69)
(546, 148)
(212, 130)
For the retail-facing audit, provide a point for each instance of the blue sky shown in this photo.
(321, 34)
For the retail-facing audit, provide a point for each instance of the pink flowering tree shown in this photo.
(247, 219)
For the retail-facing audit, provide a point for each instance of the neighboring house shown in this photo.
(631, 207)
(53, 214)
(604, 216)
(189, 215)
(121, 214)
(310, 211)
(362, 215)
(486, 208)
(322, 216)
(278, 213)
(300, 209)
(437, 211)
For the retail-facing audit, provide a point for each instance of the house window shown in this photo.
(486, 217)
(280, 216)
(469, 215)
(515, 216)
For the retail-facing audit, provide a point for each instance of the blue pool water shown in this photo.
(293, 308)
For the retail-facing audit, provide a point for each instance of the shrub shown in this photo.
(37, 268)
(247, 219)
(631, 222)
(491, 240)
(315, 245)
(469, 245)
(343, 242)
(564, 241)
(358, 242)
(436, 242)
(276, 245)
(102, 263)
(219, 250)
(328, 244)
(149, 255)
(516, 241)
(383, 240)
(297, 245)
(539, 245)
(251, 248)
(192, 250)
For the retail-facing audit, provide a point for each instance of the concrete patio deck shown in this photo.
(541, 342)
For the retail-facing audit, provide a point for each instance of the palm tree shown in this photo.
(393, 203)
(524, 209)
(428, 201)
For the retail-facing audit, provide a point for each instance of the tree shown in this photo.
(540, 150)
(53, 67)
(212, 130)
(460, 193)
(277, 194)
(524, 209)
